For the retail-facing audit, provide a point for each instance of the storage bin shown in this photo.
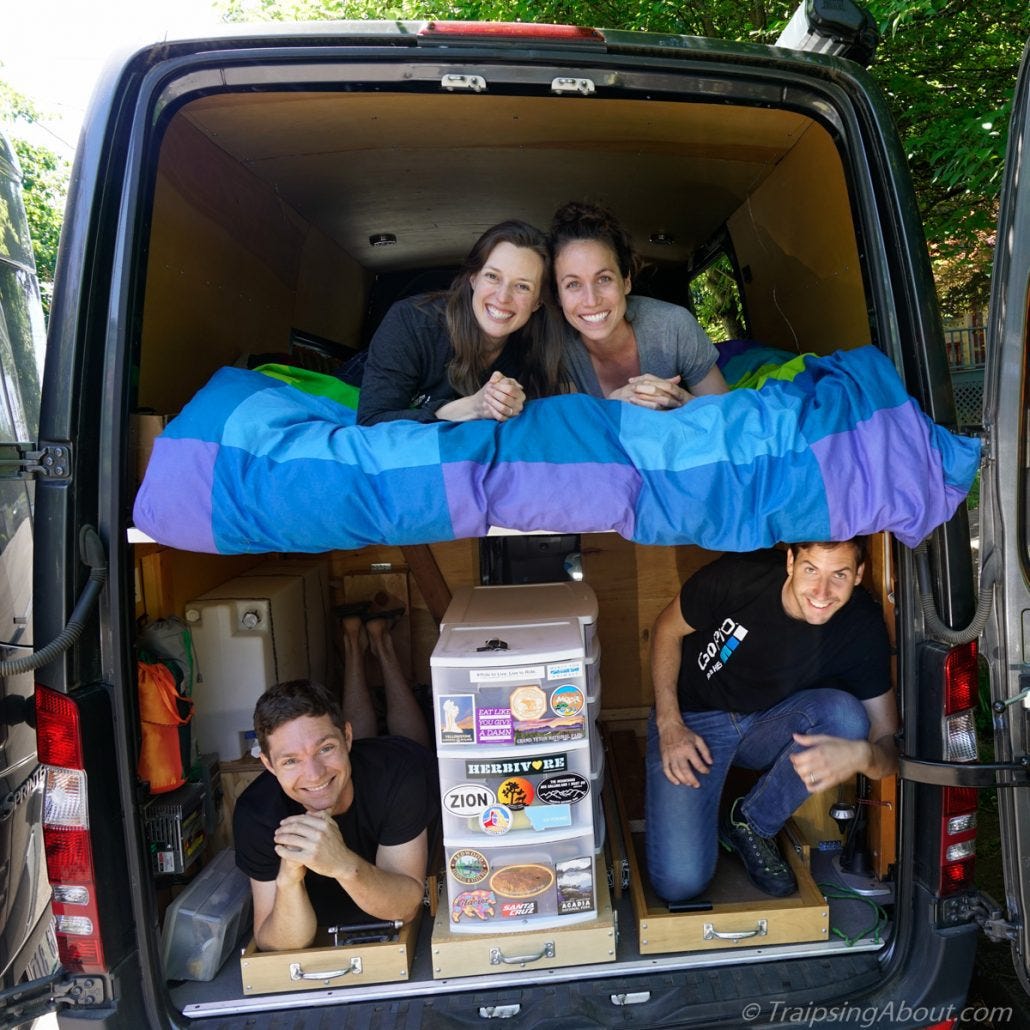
(490, 796)
(203, 924)
(521, 887)
(504, 605)
(520, 684)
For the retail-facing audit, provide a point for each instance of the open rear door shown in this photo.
(1005, 511)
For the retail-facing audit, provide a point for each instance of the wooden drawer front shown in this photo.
(579, 944)
(264, 972)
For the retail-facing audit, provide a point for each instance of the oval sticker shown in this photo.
(468, 799)
(563, 790)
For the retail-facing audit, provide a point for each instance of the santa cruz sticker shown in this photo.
(468, 866)
(517, 909)
(567, 700)
(468, 799)
(563, 790)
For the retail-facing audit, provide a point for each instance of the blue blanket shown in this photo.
(254, 464)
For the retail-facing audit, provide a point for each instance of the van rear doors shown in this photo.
(1005, 511)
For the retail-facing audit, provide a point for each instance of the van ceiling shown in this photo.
(436, 170)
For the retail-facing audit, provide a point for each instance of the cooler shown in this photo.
(248, 633)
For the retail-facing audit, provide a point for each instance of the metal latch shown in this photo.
(473, 83)
(45, 461)
(571, 84)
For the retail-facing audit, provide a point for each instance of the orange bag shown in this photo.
(163, 711)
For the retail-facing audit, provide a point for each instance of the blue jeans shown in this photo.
(682, 822)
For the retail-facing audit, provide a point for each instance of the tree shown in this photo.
(948, 68)
(44, 186)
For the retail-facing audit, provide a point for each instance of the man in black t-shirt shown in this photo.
(782, 672)
(335, 830)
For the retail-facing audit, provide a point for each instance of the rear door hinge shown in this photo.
(35, 461)
(980, 908)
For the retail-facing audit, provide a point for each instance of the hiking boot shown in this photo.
(764, 864)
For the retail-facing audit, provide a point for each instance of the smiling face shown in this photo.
(310, 757)
(820, 581)
(506, 290)
(592, 290)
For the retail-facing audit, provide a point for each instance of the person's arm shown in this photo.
(500, 398)
(283, 917)
(712, 383)
(390, 888)
(407, 357)
(828, 761)
(684, 753)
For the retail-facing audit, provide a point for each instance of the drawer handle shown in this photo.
(711, 934)
(498, 958)
(296, 973)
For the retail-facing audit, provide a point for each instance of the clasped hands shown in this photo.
(310, 841)
(651, 391)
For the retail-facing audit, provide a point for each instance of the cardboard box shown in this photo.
(582, 943)
(144, 429)
(324, 965)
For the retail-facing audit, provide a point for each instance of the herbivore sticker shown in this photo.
(528, 766)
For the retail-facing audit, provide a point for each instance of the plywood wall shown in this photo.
(796, 246)
(231, 270)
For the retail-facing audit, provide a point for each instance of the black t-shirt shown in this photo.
(405, 375)
(747, 653)
(395, 799)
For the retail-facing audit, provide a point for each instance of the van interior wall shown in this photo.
(796, 248)
(232, 269)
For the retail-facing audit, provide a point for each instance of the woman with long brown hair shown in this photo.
(478, 350)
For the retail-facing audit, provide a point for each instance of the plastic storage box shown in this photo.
(204, 924)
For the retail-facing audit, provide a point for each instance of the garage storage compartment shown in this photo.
(267, 196)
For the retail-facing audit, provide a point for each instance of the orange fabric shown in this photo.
(160, 757)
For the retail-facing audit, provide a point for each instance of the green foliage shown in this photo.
(44, 185)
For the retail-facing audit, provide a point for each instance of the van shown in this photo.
(28, 948)
(261, 196)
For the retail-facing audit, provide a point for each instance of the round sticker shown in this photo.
(516, 792)
(563, 790)
(528, 703)
(468, 799)
(496, 819)
(468, 866)
(567, 700)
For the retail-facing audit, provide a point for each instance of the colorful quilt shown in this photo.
(272, 461)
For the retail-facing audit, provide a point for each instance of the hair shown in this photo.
(284, 702)
(539, 339)
(579, 220)
(859, 543)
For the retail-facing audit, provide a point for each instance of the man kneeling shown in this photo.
(785, 673)
(335, 830)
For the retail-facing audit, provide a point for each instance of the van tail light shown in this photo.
(958, 804)
(66, 836)
(511, 30)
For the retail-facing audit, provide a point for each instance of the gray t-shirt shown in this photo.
(669, 341)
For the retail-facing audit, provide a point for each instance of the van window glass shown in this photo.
(717, 303)
(15, 242)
